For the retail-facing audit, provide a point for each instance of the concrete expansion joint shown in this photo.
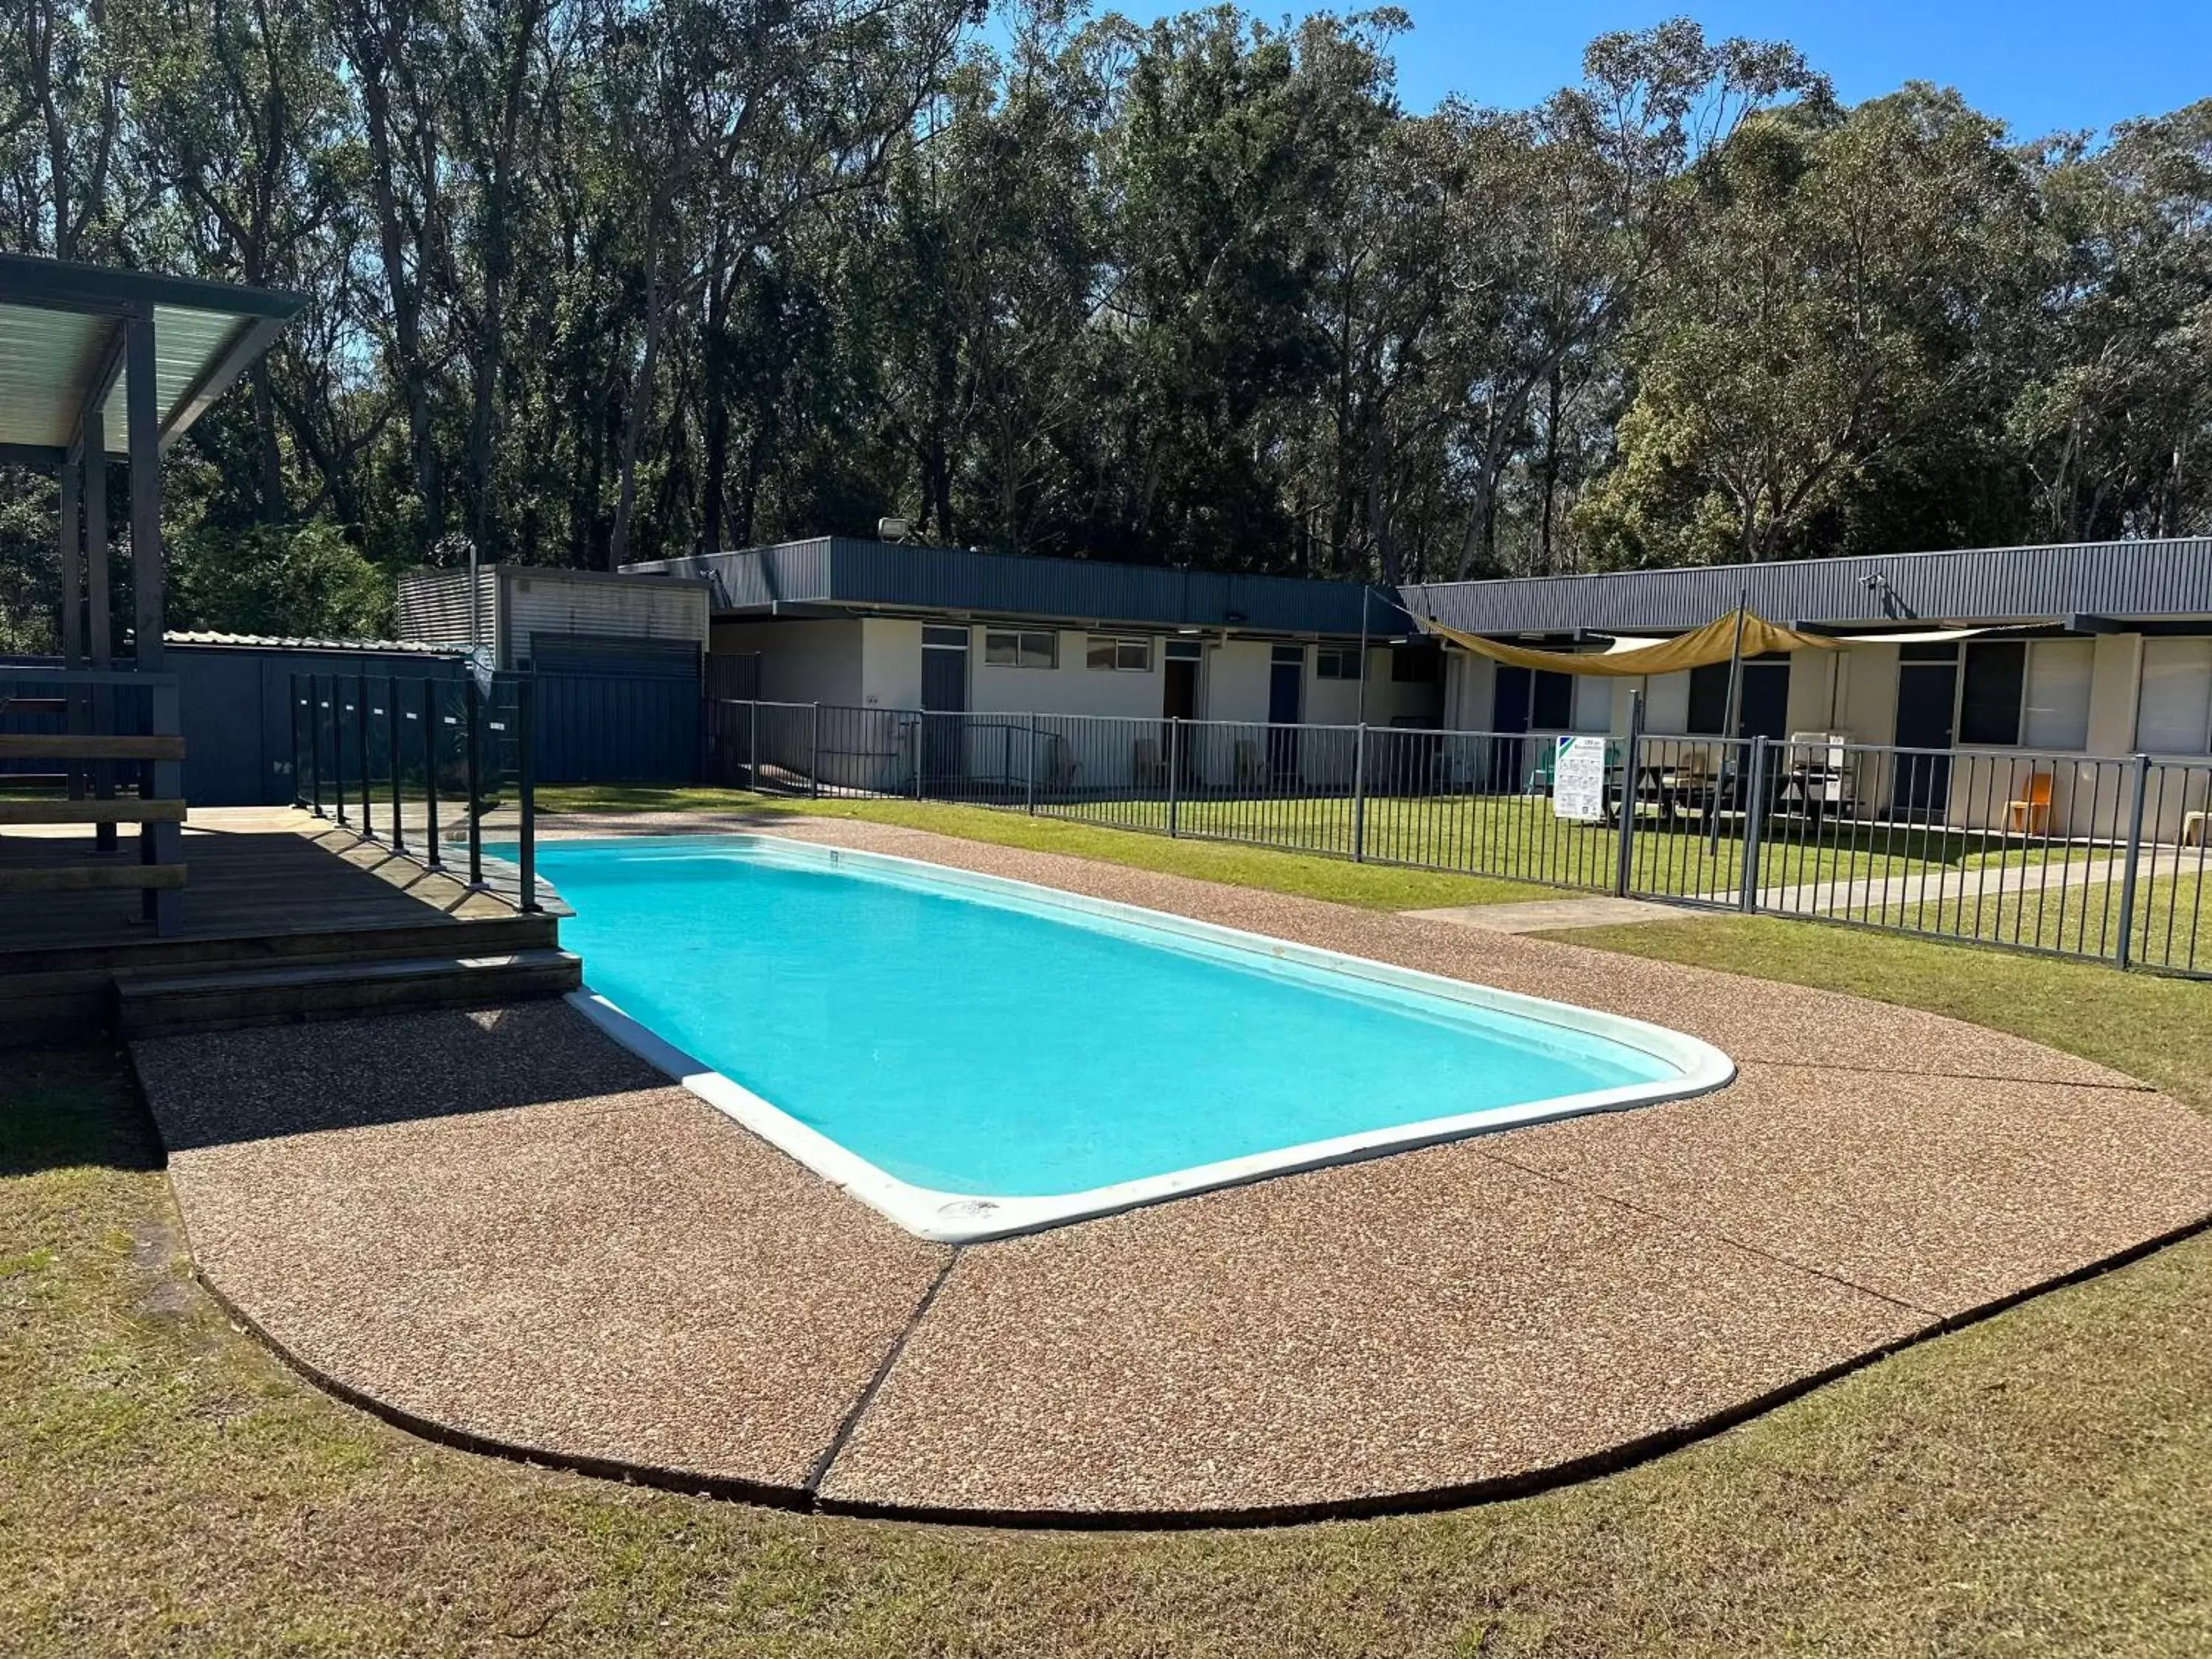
(2119, 1085)
(823, 1464)
(1683, 1224)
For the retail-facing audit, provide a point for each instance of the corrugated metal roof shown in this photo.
(847, 571)
(2144, 580)
(272, 642)
(59, 321)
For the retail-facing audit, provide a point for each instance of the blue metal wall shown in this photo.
(237, 712)
(616, 712)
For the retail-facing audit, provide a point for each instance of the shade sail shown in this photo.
(1715, 642)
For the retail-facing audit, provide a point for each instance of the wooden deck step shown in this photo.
(87, 877)
(123, 810)
(169, 1004)
(63, 745)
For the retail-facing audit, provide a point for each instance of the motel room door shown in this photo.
(1927, 718)
(1286, 685)
(943, 693)
(1179, 700)
(1513, 690)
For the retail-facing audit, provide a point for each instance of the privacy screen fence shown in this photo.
(2104, 859)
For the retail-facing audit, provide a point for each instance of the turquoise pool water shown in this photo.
(993, 1042)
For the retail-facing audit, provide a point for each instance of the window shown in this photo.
(1991, 692)
(1133, 656)
(1334, 662)
(1415, 665)
(1008, 650)
(1762, 698)
(944, 639)
(1183, 650)
(1709, 691)
(2058, 715)
(2175, 714)
(1552, 701)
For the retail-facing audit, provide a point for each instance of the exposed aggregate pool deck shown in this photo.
(500, 1228)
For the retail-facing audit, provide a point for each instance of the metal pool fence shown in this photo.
(423, 765)
(2107, 859)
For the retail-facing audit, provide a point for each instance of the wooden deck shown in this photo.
(266, 887)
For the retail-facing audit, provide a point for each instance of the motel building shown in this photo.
(886, 628)
(1944, 686)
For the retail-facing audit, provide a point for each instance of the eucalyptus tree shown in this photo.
(1574, 210)
(1827, 308)
(2115, 424)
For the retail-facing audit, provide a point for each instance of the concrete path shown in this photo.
(1942, 884)
(1547, 916)
(498, 1228)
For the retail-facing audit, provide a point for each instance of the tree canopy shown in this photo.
(592, 280)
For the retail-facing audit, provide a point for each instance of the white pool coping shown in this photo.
(963, 1218)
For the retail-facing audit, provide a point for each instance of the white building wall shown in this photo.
(1236, 680)
(1470, 691)
(1072, 688)
(890, 662)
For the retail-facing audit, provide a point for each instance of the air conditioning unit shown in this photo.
(893, 530)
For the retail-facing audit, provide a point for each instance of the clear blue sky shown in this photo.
(2040, 66)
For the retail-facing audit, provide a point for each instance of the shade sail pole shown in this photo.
(1728, 718)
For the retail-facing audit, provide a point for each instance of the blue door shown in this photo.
(944, 703)
(1286, 685)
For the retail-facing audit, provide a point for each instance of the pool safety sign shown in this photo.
(1578, 780)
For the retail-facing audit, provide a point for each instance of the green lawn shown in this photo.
(2171, 925)
(2039, 1484)
(1489, 838)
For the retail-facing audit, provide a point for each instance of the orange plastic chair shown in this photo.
(2033, 814)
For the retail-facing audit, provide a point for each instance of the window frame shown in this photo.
(1022, 639)
(1331, 662)
(1117, 646)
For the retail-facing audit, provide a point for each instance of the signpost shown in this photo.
(1578, 780)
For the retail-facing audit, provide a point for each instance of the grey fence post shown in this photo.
(1755, 825)
(361, 753)
(315, 739)
(1175, 776)
(814, 756)
(430, 771)
(1029, 773)
(752, 746)
(299, 772)
(337, 749)
(394, 716)
(1359, 790)
(2127, 948)
(162, 841)
(1625, 859)
(472, 712)
(526, 738)
(920, 730)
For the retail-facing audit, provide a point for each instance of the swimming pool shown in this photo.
(974, 1057)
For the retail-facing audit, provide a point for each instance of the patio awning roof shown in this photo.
(61, 350)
